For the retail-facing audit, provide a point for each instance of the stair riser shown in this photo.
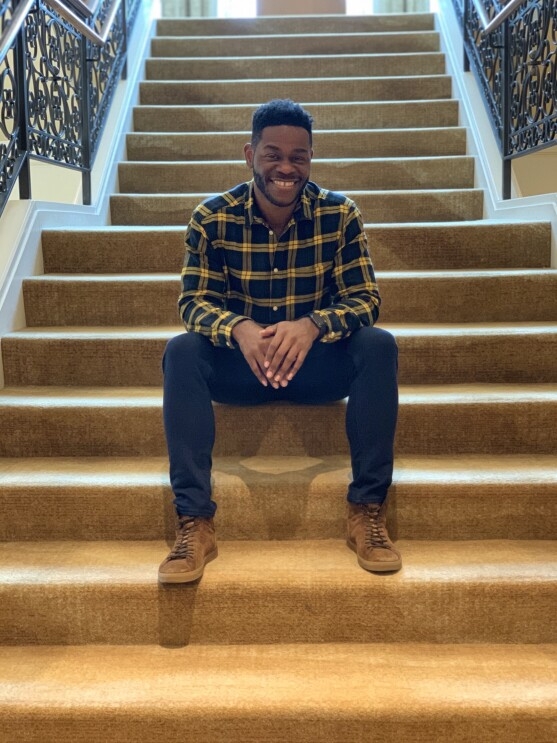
(372, 175)
(333, 116)
(292, 506)
(147, 302)
(245, 91)
(298, 46)
(314, 24)
(464, 724)
(320, 611)
(329, 144)
(520, 426)
(376, 65)
(427, 360)
(450, 246)
(378, 207)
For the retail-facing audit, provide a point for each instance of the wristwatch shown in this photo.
(319, 323)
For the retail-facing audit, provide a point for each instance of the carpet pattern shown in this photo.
(285, 639)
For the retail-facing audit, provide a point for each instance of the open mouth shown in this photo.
(285, 185)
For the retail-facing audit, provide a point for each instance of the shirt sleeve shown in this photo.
(354, 291)
(202, 300)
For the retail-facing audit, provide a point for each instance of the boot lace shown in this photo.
(376, 534)
(183, 547)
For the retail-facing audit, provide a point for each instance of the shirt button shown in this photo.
(275, 270)
(275, 308)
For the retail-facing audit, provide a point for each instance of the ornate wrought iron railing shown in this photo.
(512, 49)
(60, 62)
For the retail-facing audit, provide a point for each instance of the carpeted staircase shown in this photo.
(286, 639)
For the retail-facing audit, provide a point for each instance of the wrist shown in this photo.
(240, 328)
(319, 323)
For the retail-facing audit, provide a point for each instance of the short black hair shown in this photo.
(280, 112)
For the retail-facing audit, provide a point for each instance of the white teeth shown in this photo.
(284, 184)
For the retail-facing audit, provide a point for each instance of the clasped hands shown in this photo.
(277, 352)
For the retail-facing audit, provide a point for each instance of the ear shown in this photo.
(248, 154)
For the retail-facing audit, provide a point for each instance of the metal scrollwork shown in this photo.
(533, 55)
(524, 94)
(55, 88)
(9, 151)
(9, 112)
(485, 56)
(67, 82)
(106, 70)
(6, 9)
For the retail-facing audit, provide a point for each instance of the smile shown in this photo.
(285, 184)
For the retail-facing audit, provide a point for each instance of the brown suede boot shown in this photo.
(194, 547)
(367, 535)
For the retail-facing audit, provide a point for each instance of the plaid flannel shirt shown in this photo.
(236, 267)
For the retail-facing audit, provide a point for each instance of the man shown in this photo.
(279, 300)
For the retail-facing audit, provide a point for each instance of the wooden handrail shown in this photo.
(494, 23)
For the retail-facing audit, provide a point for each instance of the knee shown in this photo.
(184, 350)
(374, 344)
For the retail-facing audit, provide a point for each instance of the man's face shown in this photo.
(281, 164)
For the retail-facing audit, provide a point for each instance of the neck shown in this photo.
(276, 216)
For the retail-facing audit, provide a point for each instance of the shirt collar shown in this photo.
(302, 211)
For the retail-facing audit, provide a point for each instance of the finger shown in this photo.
(275, 358)
(296, 365)
(268, 332)
(289, 364)
(256, 369)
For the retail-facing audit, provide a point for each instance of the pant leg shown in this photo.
(371, 413)
(195, 374)
(362, 367)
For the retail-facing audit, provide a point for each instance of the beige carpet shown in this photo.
(286, 639)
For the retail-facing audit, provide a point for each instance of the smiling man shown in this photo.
(279, 300)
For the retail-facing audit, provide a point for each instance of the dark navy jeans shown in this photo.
(362, 367)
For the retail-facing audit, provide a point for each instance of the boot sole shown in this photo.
(190, 576)
(375, 567)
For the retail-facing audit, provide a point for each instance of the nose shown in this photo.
(286, 168)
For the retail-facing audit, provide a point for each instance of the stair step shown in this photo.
(435, 354)
(258, 91)
(367, 174)
(279, 497)
(300, 25)
(297, 45)
(332, 116)
(528, 295)
(446, 205)
(444, 419)
(279, 591)
(334, 692)
(438, 142)
(451, 245)
(314, 66)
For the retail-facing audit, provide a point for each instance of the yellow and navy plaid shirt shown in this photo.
(236, 267)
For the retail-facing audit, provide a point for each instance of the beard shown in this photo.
(262, 186)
